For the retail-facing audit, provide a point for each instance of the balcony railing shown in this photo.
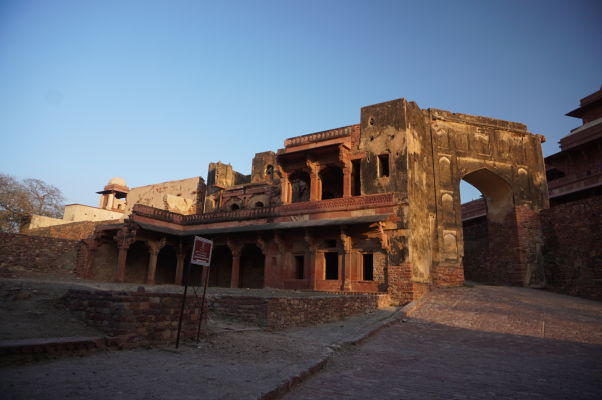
(308, 207)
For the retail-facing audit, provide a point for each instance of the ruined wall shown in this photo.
(78, 212)
(24, 253)
(73, 230)
(185, 196)
(572, 251)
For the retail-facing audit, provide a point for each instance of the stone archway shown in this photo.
(167, 261)
(137, 262)
(221, 267)
(252, 267)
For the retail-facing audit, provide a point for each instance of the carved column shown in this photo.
(235, 248)
(124, 239)
(347, 180)
(315, 187)
(346, 258)
(153, 250)
(285, 188)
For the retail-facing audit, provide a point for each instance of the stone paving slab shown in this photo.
(482, 342)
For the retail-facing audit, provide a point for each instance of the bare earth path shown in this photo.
(470, 343)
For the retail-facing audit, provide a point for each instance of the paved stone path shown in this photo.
(472, 343)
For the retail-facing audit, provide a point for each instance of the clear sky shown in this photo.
(155, 90)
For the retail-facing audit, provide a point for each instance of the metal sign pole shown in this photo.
(186, 279)
(198, 331)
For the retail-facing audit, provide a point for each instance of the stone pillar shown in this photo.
(346, 260)
(347, 181)
(285, 188)
(153, 250)
(236, 249)
(110, 201)
(124, 239)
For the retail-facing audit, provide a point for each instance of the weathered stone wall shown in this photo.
(185, 196)
(73, 230)
(38, 254)
(283, 312)
(135, 318)
(573, 247)
(141, 317)
(476, 249)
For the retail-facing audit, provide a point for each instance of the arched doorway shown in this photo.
(136, 265)
(167, 261)
(489, 229)
(221, 267)
(332, 182)
(252, 263)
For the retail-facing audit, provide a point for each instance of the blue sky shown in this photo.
(155, 90)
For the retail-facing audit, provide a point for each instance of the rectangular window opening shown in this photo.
(299, 267)
(368, 266)
(356, 182)
(331, 260)
(383, 165)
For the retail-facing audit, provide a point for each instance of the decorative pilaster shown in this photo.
(310, 256)
(153, 250)
(346, 258)
(235, 248)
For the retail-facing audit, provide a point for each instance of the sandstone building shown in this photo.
(371, 207)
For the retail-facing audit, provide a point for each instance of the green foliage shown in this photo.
(19, 200)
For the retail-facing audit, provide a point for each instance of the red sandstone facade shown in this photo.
(372, 207)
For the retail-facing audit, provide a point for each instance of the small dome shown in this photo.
(117, 181)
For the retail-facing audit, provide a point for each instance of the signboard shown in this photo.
(201, 252)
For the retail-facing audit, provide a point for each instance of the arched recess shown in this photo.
(136, 265)
(332, 182)
(221, 267)
(167, 261)
(300, 186)
(490, 231)
(252, 262)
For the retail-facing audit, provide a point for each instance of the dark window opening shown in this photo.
(259, 204)
(332, 265)
(234, 207)
(300, 184)
(368, 267)
(330, 243)
(356, 183)
(554, 173)
(332, 183)
(269, 171)
(383, 165)
(299, 264)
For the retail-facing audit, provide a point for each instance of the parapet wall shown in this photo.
(39, 254)
(140, 317)
(73, 230)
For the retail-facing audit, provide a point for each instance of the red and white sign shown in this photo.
(201, 252)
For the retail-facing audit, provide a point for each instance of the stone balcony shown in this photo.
(308, 207)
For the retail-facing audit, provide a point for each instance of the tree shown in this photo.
(19, 200)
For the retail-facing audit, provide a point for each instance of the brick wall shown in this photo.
(74, 230)
(283, 312)
(571, 237)
(135, 318)
(573, 247)
(141, 317)
(39, 254)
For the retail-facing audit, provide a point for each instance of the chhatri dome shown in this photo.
(117, 181)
